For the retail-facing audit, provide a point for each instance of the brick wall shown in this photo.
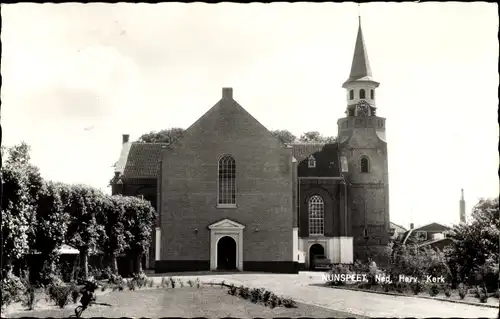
(368, 195)
(264, 187)
(332, 195)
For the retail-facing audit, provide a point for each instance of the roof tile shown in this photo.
(302, 151)
(143, 160)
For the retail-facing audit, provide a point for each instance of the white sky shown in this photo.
(133, 68)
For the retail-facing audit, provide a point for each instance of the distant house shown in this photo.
(432, 235)
(396, 231)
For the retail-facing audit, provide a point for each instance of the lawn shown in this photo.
(207, 301)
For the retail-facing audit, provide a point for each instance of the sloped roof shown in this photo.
(432, 227)
(301, 151)
(394, 224)
(326, 156)
(360, 68)
(122, 161)
(140, 160)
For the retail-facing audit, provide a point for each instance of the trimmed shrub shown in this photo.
(338, 269)
(360, 267)
(256, 295)
(75, 293)
(163, 283)
(12, 289)
(244, 292)
(462, 291)
(232, 290)
(400, 287)
(481, 293)
(140, 280)
(288, 303)
(273, 301)
(417, 287)
(60, 294)
(131, 284)
(433, 290)
(172, 282)
(115, 279)
(447, 291)
(266, 295)
(386, 286)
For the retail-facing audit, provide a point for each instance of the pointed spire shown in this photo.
(360, 68)
(462, 194)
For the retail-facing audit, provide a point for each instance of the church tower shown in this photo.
(362, 145)
(462, 208)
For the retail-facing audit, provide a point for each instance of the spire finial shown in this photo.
(359, 13)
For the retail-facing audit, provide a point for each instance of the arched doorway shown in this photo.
(226, 253)
(315, 250)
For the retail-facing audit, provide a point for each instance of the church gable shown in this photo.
(227, 165)
(226, 120)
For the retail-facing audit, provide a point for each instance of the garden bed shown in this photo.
(469, 299)
(206, 301)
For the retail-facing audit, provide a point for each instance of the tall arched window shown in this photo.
(316, 215)
(227, 181)
(351, 95)
(362, 94)
(372, 94)
(365, 165)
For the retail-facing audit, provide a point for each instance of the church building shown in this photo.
(231, 196)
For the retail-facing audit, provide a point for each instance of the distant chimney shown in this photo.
(125, 138)
(411, 225)
(227, 93)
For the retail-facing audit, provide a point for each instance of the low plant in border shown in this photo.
(60, 294)
(172, 282)
(447, 291)
(433, 290)
(462, 291)
(29, 301)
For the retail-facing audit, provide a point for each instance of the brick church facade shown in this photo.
(231, 196)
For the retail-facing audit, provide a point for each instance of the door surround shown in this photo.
(229, 228)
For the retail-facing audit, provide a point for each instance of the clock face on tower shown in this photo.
(363, 108)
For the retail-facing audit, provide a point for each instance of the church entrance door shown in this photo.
(226, 253)
(315, 250)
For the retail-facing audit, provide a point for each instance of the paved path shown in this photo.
(299, 287)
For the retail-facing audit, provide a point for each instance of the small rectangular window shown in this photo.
(351, 95)
(311, 162)
(421, 235)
